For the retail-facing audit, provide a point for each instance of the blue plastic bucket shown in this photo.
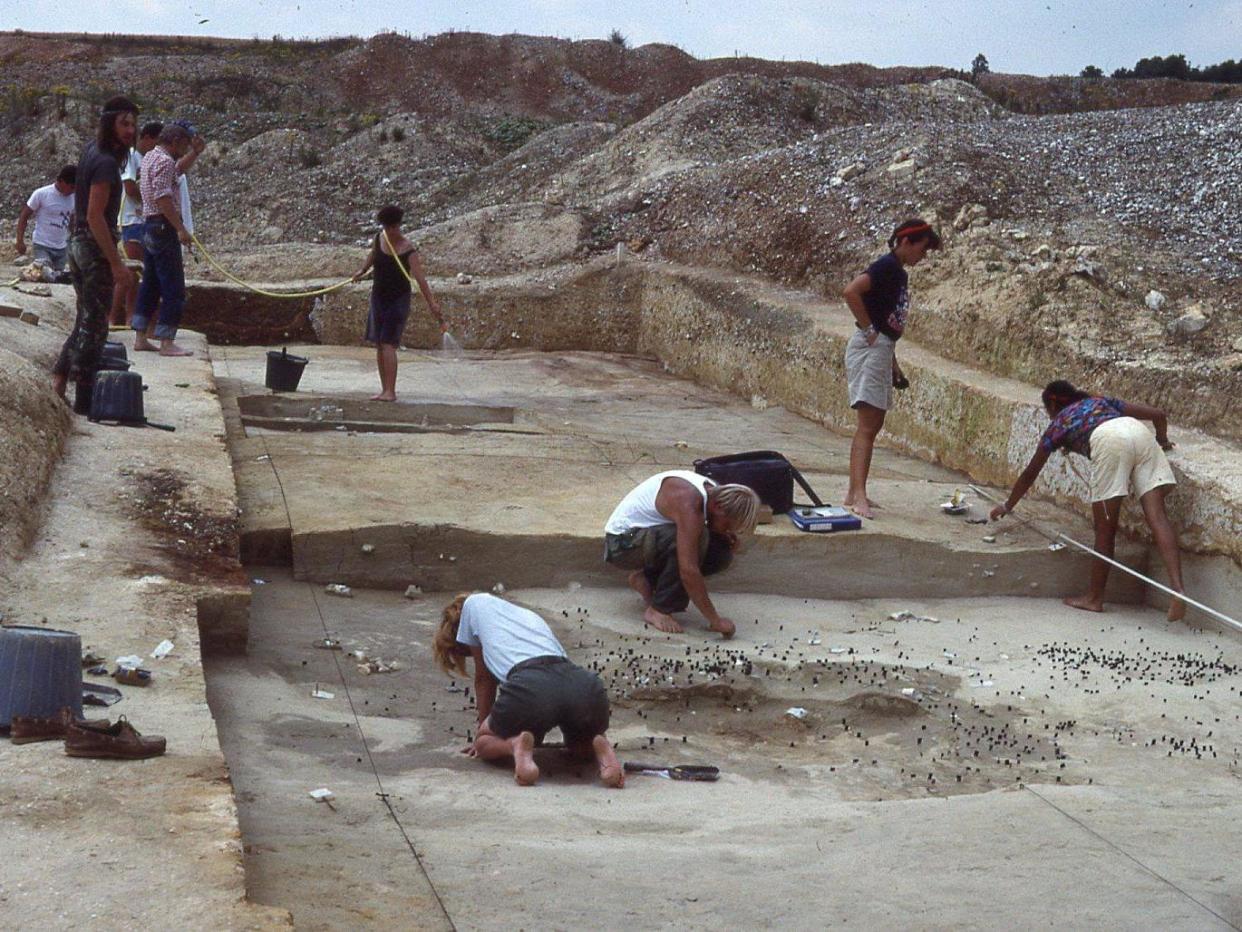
(40, 672)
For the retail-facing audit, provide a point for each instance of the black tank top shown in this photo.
(389, 282)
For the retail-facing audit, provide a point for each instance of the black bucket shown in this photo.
(114, 350)
(118, 397)
(84, 391)
(284, 371)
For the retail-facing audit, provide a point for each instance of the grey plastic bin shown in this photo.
(40, 672)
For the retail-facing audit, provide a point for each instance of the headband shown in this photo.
(912, 229)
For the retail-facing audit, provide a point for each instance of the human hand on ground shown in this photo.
(20, 246)
(469, 751)
(999, 512)
(724, 627)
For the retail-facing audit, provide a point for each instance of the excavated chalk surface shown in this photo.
(944, 754)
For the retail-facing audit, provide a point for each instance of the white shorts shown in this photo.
(1125, 457)
(869, 370)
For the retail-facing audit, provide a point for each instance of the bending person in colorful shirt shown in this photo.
(524, 686)
(1125, 458)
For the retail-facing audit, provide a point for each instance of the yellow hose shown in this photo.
(401, 265)
(269, 294)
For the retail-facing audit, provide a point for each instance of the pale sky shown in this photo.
(1023, 36)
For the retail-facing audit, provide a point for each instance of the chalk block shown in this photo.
(29, 317)
(9, 310)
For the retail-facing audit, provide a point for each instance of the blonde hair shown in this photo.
(444, 643)
(738, 503)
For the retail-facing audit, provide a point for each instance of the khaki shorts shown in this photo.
(1125, 457)
(869, 370)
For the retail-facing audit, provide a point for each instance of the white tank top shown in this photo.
(638, 508)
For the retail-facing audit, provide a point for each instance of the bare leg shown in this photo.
(870, 421)
(120, 298)
(638, 582)
(661, 621)
(521, 748)
(1105, 516)
(386, 361)
(1166, 543)
(131, 301)
(123, 297)
(59, 384)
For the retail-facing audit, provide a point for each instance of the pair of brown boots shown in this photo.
(87, 737)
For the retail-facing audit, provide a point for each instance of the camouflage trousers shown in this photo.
(92, 280)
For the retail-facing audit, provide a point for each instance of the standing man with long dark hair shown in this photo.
(95, 263)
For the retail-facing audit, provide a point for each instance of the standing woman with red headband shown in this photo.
(879, 299)
(1125, 458)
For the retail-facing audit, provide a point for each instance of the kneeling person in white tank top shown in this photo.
(672, 531)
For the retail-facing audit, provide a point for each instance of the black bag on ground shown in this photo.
(766, 471)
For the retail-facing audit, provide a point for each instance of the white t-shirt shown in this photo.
(638, 508)
(507, 633)
(187, 217)
(131, 207)
(53, 213)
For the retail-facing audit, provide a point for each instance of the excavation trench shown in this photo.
(496, 470)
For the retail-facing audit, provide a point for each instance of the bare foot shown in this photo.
(611, 773)
(848, 502)
(1177, 610)
(863, 510)
(1084, 603)
(143, 345)
(59, 384)
(638, 582)
(525, 772)
(169, 348)
(660, 621)
(383, 396)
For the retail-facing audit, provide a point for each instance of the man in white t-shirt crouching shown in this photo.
(524, 686)
(673, 530)
(52, 207)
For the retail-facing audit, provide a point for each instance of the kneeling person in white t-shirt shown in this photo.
(524, 685)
